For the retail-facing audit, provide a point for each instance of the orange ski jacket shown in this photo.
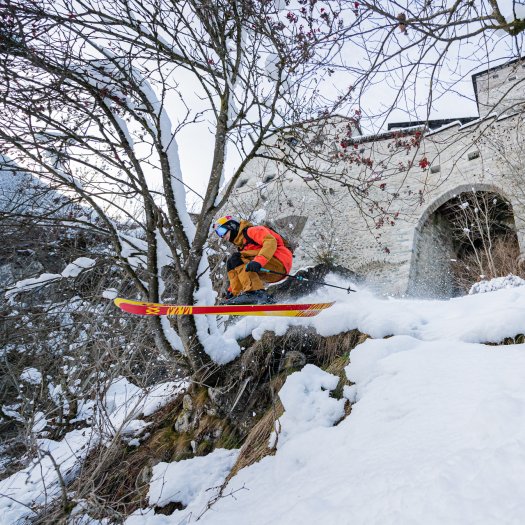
(265, 242)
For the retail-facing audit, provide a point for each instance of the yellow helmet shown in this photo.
(225, 224)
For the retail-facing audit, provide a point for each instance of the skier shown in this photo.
(257, 247)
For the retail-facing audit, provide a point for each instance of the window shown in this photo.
(473, 155)
(435, 169)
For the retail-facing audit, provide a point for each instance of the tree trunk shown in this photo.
(203, 368)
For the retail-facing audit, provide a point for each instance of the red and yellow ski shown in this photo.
(283, 310)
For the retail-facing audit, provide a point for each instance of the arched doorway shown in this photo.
(466, 236)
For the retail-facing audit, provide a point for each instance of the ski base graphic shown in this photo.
(281, 310)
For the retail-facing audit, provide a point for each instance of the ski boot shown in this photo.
(252, 297)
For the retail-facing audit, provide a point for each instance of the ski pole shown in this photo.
(301, 278)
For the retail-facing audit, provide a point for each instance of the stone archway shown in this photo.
(447, 253)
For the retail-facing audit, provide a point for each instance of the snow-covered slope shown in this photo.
(472, 318)
(436, 433)
(120, 411)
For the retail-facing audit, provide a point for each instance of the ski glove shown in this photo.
(253, 266)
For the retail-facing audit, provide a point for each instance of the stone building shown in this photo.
(381, 205)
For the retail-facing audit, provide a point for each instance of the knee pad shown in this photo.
(234, 261)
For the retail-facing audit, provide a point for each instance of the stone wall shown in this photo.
(408, 251)
(500, 89)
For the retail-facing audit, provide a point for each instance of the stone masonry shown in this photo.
(409, 250)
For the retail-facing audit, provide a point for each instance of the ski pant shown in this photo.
(243, 281)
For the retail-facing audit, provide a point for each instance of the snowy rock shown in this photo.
(186, 480)
(185, 423)
(215, 394)
(307, 403)
(187, 420)
(292, 359)
(31, 375)
(499, 283)
(187, 403)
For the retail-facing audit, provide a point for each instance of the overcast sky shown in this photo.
(453, 97)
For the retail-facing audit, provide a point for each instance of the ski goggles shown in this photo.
(221, 231)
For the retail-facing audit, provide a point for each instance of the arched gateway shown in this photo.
(459, 238)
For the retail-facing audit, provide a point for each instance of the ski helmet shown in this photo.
(227, 223)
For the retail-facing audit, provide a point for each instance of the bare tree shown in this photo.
(482, 225)
(95, 95)
(419, 52)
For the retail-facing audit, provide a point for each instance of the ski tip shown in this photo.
(123, 303)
